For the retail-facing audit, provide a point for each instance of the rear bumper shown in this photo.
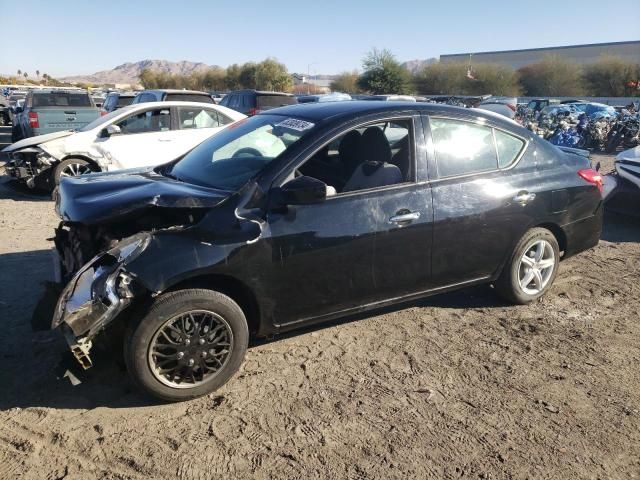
(583, 234)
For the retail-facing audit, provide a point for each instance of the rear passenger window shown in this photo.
(462, 147)
(509, 147)
(197, 117)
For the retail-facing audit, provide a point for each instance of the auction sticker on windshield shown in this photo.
(295, 124)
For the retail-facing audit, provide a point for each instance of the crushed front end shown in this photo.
(31, 165)
(96, 295)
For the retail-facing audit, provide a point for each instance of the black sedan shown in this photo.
(304, 214)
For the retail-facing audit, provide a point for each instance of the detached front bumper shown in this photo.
(96, 295)
(88, 303)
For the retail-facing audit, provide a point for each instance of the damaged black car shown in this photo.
(304, 214)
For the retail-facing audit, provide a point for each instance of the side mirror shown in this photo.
(302, 191)
(112, 130)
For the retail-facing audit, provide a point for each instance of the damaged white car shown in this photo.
(141, 135)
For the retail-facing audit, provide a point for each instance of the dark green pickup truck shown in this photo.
(49, 110)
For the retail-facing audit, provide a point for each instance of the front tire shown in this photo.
(187, 344)
(531, 269)
(71, 167)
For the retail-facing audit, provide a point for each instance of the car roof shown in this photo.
(261, 92)
(324, 111)
(171, 103)
(175, 90)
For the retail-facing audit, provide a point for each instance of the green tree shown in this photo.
(214, 79)
(272, 75)
(456, 79)
(553, 76)
(383, 73)
(232, 78)
(346, 82)
(442, 79)
(247, 76)
(609, 76)
(148, 78)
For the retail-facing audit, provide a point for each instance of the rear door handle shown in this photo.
(405, 217)
(165, 139)
(524, 197)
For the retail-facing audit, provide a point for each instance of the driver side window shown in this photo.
(376, 155)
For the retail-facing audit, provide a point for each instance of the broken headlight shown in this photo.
(128, 249)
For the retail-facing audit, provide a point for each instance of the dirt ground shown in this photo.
(456, 386)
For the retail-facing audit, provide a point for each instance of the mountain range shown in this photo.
(130, 71)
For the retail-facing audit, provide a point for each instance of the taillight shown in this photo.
(33, 120)
(512, 106)
(103, 113)
(253, 111)
(593, 177)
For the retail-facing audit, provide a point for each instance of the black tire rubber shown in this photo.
(140, 332)
(57, 171)
(508, 284)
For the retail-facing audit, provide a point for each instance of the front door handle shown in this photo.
(165, 139)
(405, 217)
(524, 197)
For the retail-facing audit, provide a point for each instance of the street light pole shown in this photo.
(309, 74)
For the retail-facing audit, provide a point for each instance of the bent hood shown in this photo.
(106, 197)
(37, 140)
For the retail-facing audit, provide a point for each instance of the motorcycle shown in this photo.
(625, 131)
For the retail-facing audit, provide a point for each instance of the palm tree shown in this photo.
(19, 75)
(38, 74)
(45, 77)
(26, 76)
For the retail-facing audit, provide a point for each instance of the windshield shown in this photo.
(229, 159)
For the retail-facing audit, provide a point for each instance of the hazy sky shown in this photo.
(63, 37)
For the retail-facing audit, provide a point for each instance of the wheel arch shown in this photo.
(86, 158)
(230, 286)
(557, 232)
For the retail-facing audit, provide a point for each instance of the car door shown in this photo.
(481, 204)
(403, 247)
(145, 139)
(355, 248)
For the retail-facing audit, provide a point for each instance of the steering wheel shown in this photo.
(248, 151)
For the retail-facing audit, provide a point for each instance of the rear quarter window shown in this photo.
(509, 148)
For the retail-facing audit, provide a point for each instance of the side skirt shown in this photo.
(380, 304)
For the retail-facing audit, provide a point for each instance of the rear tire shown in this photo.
(531, 269)
(169, 353)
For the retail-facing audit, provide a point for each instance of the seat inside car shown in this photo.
(375, 170)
